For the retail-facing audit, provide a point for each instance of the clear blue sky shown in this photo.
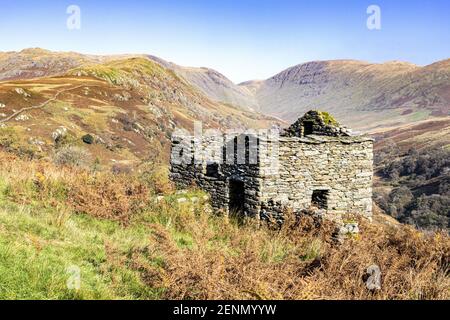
(246, 39)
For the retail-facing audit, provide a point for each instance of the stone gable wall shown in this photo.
(344, 170)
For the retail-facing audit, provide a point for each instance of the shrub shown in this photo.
(72, 156)
(156, 176)
(421, 196)
(106, 196)
(88, 139)
(17, 144)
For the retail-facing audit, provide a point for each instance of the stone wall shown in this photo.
(214, 172)
(321, 123)
(341, 168)
(288, 173)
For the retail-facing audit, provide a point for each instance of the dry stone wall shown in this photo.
(337, 168)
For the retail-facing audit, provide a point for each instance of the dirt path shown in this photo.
(15, 114)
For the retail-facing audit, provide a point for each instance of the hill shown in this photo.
(413, 173)
(71, 233)
(213, 84)
(128, 106)
(363, 95)
(84, 142)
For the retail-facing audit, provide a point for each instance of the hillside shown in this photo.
(213, 84)
(37, 63)
(71, 233)
(413, 173)
(128, 106)
(84, 145)
(363, 95)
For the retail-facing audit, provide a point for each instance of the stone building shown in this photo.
(314, 163)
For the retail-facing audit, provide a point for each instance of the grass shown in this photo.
(36, 255)
(125, 71)
(55, 221)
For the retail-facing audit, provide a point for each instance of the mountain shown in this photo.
(123, 109)
(37, 62)
(361, 94)
(364, 96)
(213, 84)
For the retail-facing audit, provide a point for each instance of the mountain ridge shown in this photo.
(364, 95)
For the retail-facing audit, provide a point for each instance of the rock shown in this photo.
(194, 199)
(36, 142)
(181, 200)
(22, 92)
(124, 96)
(59, 133)
(372, 278)
(2, 105)
(346, 230)
(22, 117)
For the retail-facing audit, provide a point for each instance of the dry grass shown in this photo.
(298, 263)
(107, 196)
(181, 251)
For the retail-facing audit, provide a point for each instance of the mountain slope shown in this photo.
(363, 95)
(37, 62)
(129, 107)
(213, 84)
(413, 173)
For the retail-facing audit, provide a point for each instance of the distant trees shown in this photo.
(421, 193)
(429, 212)
(422, 165)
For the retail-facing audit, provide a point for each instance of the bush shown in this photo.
(156, 177)
(115, 197)
(72, 156)
(88, 139)
(18, 144)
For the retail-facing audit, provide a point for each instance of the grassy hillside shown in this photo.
(363, 95)
(129, 107)
(135, 237)
(84, 187)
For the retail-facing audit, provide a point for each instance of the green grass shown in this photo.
(419, 115)
(37, 252)
(43, 240)
(120, 71)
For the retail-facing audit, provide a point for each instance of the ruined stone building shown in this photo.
(314, 163)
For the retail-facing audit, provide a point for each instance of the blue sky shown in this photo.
(244, 40)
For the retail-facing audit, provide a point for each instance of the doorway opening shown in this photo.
(237, 198)
(320, 199)
(308, 128)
